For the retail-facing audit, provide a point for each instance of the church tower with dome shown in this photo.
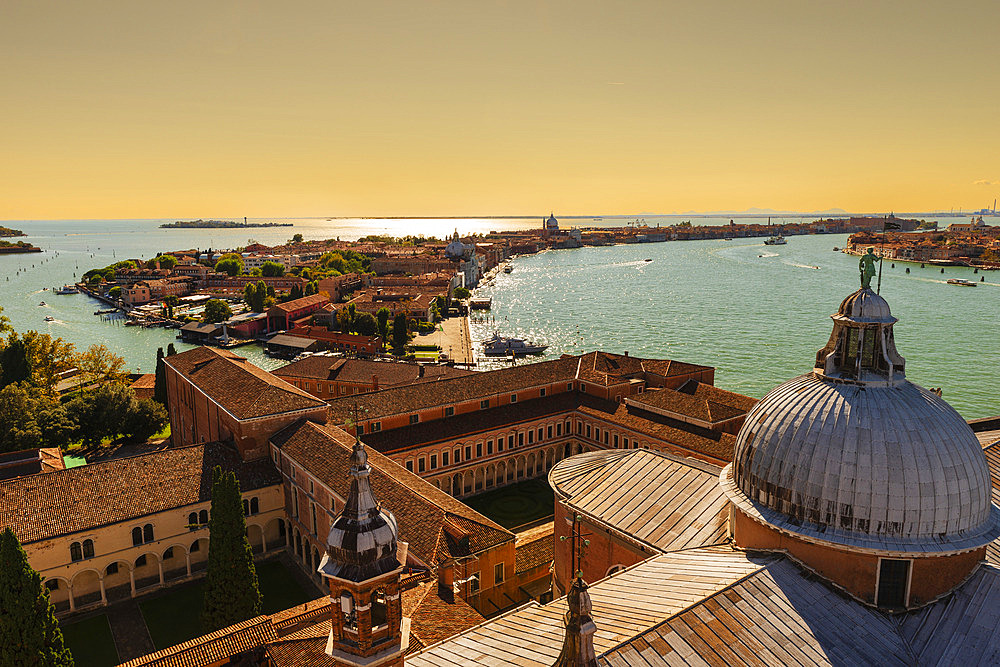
(363, 571)
(872, 482)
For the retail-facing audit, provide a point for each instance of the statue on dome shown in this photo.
(867, 267)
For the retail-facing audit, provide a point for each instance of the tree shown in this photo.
(144, 418)
(115, 292)
(29, 631)
(160, 385)
(366, 325)
(4, 322)
(272, 270)
(216, 311)
(167, 261)
(254, 294)
(99, 364)
(231, 591)
(382, 317)
(29, 420)
(230, 266)
(296, 238)
(462, 293)
(101, 413)
(295, 293)
(171, 350)
(34, 357)
(399, 332)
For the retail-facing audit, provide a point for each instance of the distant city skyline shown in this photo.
(133, 110)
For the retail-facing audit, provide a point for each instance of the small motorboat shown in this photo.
(41, 303)
(647, 260)
(961, 282)
(49, 318)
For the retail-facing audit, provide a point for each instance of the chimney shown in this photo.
(446, 581)
(626, 353)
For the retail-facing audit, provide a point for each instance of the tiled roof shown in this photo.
(777, 616)
(30, 462)
(537, 552)
(711, 406)
(624, 605)
(215, 647)
(664, 502)
(433, 619)
(39, 507)
(241, 388)
(606, 368)
(992, 453)
(298, 304)
(389, 373)
(422, 510)
(411, 398)
(144, 381)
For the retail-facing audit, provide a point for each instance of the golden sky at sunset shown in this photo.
(201, 109)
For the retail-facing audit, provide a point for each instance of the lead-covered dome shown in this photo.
(856, 455)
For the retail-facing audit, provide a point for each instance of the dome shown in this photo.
(362, 540)
(865, 306)
(888, 468)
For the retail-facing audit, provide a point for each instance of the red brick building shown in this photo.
(283, 316)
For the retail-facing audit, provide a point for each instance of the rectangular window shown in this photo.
(605, 437)
(548, 433)
(498, 573)
(541, 392)
(449, 411)
(295, 503)
(312, 488)
(458, 455)
(313, 508)
(489, 447)
(444, 458)
(376, 427)
(306, 386)
(531, 437)
(558, 429)
(474, 583)
(578, 427)
(616, 439)
(625, 443)
(414, 419)
(588, 430)
(893, 576)
(409, 466)
(540, 431)
(569, 386)
(500, 444)
(484, 404)
(510, 442)
(479, 449)
(468, 452)
(520, 439)
(434, 461)
(513, 398)
(421, 464)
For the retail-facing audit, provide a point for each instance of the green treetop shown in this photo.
(29, 632)
(231, 591)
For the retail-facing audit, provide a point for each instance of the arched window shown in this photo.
(192, 520)
(281, 528)
(112, 568)
(147, 533)
(75, 553)
(379, 615)
(203, 517)
(254, 505)
(136, 536)
(347, 609)
(88, 548)
(195, 546)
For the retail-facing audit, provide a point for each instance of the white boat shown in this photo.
(66, 289)
(508, 269)
(961, 282)
(776, 240)
(49, 318)
(498, 346)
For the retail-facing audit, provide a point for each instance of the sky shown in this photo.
(289, 109)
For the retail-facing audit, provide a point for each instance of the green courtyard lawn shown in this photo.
(517, 504)
(173, 617)
(90, 642)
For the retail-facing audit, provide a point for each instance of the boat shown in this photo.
(66, 289)
(776, 240)
(647, 260)
(499, 346)
(961, 282)
(49, 318)
(508, 269)
(41, 303)
(836, 249)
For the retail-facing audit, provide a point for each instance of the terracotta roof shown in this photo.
(535, 553)
(241, 388)
(711, 407)
(298, 304)
(410, 398)
(389, 373)
(215, 647)
(607, 368)
(322, 333)
(433, 619)
(40, 507)
(144, 381)
(422, 510)
(30, 462)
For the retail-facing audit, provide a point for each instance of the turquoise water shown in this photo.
(758, 320)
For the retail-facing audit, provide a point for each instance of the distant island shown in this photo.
(220, 224)
(7, 231)
(6, 247)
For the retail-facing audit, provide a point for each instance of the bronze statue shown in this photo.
(867, 267)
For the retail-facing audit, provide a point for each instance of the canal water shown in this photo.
(757, 313)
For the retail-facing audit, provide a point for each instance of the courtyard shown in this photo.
(517, 504)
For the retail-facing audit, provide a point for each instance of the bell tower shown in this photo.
(363, 572)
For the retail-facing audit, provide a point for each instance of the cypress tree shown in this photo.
(160, 386)
(231, 591)
(171, 350)
(29, 633)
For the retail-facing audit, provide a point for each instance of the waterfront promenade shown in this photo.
(452, 336)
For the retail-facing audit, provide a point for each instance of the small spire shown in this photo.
(578, 645)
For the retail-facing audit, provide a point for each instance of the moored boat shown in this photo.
(66, 289)
(776, 240)
(961, 282)
(499, 346)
